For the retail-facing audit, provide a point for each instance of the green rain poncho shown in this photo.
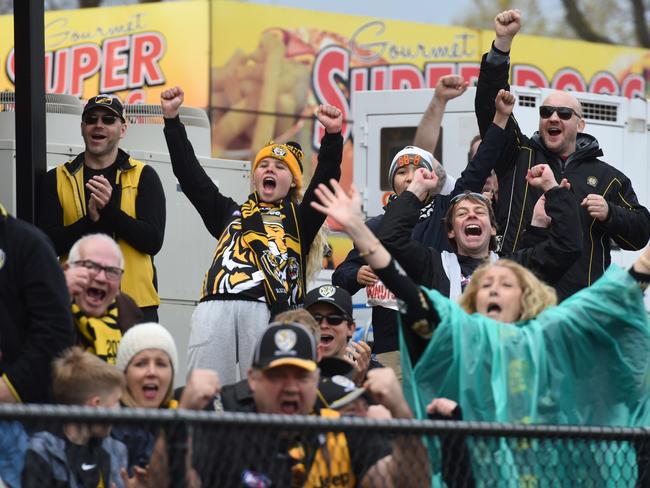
(583, 362)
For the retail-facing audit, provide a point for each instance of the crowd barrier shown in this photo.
(236, 449)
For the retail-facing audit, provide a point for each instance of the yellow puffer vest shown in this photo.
(137, 281)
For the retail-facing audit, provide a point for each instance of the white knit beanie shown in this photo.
(149, 335)
(426, 161)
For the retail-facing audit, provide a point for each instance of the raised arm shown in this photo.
(330, 156)
(557, 209)
(491, 149)
(428, 131)
(494, 76)
(215, 209)
(419, 317)
(397, 226)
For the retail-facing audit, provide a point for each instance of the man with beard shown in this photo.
(104, 190)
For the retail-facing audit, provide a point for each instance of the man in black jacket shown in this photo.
(35, 319)
(610, 206)
(104, 190)
(471, 229)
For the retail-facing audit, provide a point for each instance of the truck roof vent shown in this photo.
(55, 103)
(600, 111)
(527, 101)
(152, 114)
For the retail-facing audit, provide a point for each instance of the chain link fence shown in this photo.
(191, 449)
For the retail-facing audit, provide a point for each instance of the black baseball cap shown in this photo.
(109, 102)
(285, 344)
(338, 391)
(334, 295)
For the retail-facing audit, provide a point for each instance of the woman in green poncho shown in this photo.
(505, 354)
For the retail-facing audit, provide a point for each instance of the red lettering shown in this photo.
(359, 77)
(604, 82)
(56, 64)
(404, 77)
(527, 75)
(331, 66)
(470, 72)
(378, 78)
(85, 63)
(116, 59)
(134, 97)
(434, 71)
(633, 86)
(11, 66)
(145, 56)
(569, 79)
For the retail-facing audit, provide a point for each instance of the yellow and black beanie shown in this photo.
(289, 153)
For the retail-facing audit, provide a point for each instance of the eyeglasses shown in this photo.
(565, 113)
(107, 119)
(469, 194)
(332, 319)
(112, 273)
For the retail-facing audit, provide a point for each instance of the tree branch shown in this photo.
(580, 24)
(640, 26)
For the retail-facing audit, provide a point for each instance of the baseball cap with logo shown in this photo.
(334, 295)
(338, 391)
(285, 344)
(109, 102)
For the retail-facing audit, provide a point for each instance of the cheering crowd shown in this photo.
(492, 294)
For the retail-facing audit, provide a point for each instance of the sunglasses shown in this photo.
(565, 113)
(92, 119)
(332, 319)
(112, 273)
(469, 194)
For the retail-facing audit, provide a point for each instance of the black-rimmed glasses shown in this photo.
(112, 273)
(565, 113)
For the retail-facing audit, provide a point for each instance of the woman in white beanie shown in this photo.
(147, 356)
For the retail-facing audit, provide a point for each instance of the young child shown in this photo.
(79, 455)
(259, 266)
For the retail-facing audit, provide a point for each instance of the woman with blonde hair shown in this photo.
(507, 355)
(266, 245)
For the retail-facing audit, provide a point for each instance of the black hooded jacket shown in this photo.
(628, 222)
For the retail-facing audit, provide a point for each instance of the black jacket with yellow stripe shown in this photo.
(628, 222)
(134, 217)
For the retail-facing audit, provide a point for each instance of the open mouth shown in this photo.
(289, 407)
(554, 131)
(149, 391)
(473, 230)
(96, 294)
(269, 183)
(493, 308)
(98, 137)
(326, 339)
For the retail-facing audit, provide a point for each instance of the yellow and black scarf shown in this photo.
(99, 335)
(284, 284)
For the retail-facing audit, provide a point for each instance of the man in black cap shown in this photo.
(284, 379)
(331, 306)
(104, 190)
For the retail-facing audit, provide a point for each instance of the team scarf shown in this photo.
(99, 335)
(284, 286)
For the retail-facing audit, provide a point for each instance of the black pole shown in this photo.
(29, 50)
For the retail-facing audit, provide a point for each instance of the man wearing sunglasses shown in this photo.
(101, 313)
(610, 208)
(104, 190)
(331, 306)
